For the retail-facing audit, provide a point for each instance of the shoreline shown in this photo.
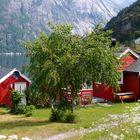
(12, 53)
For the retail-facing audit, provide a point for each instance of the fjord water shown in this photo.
(13, 61)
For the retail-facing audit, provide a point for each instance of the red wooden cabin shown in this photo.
(9, 80)
(129, 82)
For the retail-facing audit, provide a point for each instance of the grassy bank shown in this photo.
(39, 126)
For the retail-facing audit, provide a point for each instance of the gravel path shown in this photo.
(113, 120)
(82, 131)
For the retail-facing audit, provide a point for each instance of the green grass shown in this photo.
(125, 131)
(38, 124)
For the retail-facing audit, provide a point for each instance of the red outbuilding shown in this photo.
(131, 78)
(11, 80)
(129, 81)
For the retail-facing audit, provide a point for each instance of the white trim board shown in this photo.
(129, 50)
(11, 72)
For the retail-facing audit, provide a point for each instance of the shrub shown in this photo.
(38, 100)
(16, 100)
(21, 109)
(17, 108)
(24, 109)
(16, 97)
(62, 116)
(69, 117)
(63, 112)
(29, 110)
(56, 115)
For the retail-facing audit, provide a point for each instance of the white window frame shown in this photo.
(23, 100)
(20, 83)
(121, 81)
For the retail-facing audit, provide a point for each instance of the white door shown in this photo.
(21, 86)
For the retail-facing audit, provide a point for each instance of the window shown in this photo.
(86, 86)
(21, 86)
(121, 79)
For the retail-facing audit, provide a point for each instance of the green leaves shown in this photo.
(64, 60)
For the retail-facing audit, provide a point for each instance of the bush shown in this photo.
(21, 109)
(38, 100)
(56, 115)
(17, 108)
(62, 116)
(16, 100)
(29, 110)
(69, 117)
(24, 109)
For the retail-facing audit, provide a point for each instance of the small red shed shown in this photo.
(132, 79)
(9, 80)
(129, 81)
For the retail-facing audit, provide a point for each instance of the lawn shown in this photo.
(38, 125)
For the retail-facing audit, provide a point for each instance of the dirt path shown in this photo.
(12, 118)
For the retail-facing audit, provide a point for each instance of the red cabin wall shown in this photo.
(131, 83)
(5, 89)
(84, 95)
(103, 91)
(106, 92)
(86, 91)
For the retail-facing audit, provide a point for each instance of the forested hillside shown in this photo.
(12, 28)
(126, 25)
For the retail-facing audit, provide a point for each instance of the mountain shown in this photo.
(24, 19)
(126, 25)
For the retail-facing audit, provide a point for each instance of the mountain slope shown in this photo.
(24, 19)
(126, 25)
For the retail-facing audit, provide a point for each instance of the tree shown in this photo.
(64, 60)
(99, 59)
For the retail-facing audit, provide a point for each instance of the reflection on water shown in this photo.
(13, 61)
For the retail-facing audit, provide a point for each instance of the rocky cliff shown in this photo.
(24, 19)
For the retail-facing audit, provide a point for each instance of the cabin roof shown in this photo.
(5, 73)
(135, 67)
(124, 50)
